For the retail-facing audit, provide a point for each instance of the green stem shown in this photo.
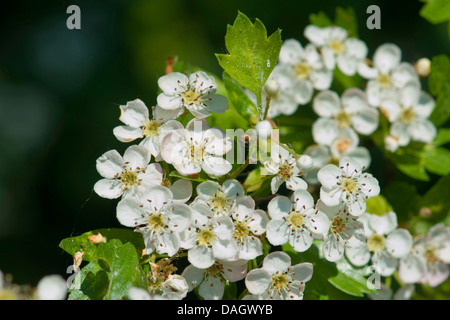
(266, 111)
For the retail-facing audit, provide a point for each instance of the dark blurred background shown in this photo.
(60, 90)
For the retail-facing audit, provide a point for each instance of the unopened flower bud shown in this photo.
(305, 162)
(271, 87)
(422, 67)
(264, 129)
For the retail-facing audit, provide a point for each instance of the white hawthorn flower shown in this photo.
(343, 227)
(211, 281)
(249, 226)
(350, 112)
(197, 148)
(280, 89)
(412, 268)
(123, 175)
(295, 220)
(347, 184)
(219, 198)
(306, 69)
(409, 115)
(387, 75)
(345, 145)
(209, 238)
(384, 243)
(336, 48)
(159, 220)
(138, 124)
(181, 188)
(283, 165)
(435, 248)
(195, 93)
(277, 279)
(52, 287)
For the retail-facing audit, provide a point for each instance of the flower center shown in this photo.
(407, 115)
(166, 182)
(343, 119)
(349, 185)
(342, 145)
(376, 243)
(151, 128)
(129, 178)
(205, 237)
(384, 81)
(156, 222)
(241, 230)
(219, 203)
(302, 70)
(338, 225)
(196, 153)
(280, 281)
(285, 171)
(430, 255)
(215, 270)
(295, 220)
(191, 97)
(337, 46)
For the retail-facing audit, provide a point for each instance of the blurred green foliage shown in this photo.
(60, 90)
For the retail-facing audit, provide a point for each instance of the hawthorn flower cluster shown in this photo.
(178, 189)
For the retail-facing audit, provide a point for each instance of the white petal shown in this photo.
(404, 73)
(327, 103)
(258, 281)
(399, 243)
(279, 207)
(170, 102)
(129, 212)
(300, 241)
(384, 224)
(365, 121)
(291, 52)
(384, 263)
(321, 79)
(169, 82)
(333, 250)
(302, 271)
(412, 268)
(201, 257)
(347, 64)
(164, 115)
(278, 261)
(329, 58)
(182, 190)
(109, 164)
(216, 166)
(127, 133)
(217, 104)
(296, 183)
(302, 94)
(277, 232)
(315, 35)
(212, 288)
(302, 200)
(387, 57)
(193, 276)
(233, 188)
(134, 113)
(357, 252)
(422, 130)
(108, 188)
(324, 131)
(329, 175)
(136, 157)
(331, 197)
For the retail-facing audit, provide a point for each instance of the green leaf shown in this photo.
(404, 199)
(442, 137)
(239, 100)
(197, 178)
(378, 205)
(437, 160)
(81, 243)
(439, 86)
(252, 55)
(91, 283)
(437, 200)
(436, 11)
(351, 280)
(409, 162)
(122, 267)
(320, 19)
(346, 18)
(230, 292)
